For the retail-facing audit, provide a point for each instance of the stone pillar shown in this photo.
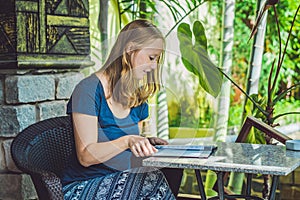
(43, 47)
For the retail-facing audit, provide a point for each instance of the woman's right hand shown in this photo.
(140, 146)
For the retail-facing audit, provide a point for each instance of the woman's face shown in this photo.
(146, 59)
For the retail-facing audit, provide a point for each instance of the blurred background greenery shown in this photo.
(189, 105)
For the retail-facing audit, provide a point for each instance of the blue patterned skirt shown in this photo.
(134, 184)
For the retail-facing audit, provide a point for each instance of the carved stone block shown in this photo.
(44, 34)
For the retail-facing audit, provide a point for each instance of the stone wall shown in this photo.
(27, 97)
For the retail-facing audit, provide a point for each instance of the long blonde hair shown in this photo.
(123, 87)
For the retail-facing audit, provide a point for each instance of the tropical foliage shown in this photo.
(121, 12)
(279, 87)
(195, 57)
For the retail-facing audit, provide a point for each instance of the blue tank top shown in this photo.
(88, 98)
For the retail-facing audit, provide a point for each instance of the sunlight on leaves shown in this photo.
(194, 55)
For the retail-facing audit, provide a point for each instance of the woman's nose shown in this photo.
(153, 66)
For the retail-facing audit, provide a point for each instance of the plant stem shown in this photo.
(248, 96)
(283, 114)
(290, 31)
(283, 93)
(279, 36)
(272, 86)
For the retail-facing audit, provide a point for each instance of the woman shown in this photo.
(107, 108)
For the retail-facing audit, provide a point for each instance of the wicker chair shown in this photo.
(42, 150)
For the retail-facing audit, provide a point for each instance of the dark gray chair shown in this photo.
(42, 150)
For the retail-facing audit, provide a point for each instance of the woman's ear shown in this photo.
(130, 47)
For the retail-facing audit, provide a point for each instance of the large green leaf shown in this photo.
(195, 57)
(200, 37)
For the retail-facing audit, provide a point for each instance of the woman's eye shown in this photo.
(152, 57)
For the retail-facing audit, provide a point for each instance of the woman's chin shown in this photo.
(141, 77)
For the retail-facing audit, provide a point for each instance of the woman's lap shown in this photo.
(137, 183)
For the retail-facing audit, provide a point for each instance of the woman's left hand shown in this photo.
(157, 141)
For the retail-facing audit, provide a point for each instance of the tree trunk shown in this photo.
(226, 63)
(102, 22)
(143, 9)
(255, 69)
(162, 115)
(222, 112)
(256, 55)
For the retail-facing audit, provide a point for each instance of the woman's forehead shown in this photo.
(156, 44)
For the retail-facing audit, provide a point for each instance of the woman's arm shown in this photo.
(90, 152)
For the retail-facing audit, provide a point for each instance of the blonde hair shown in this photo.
(123, 87)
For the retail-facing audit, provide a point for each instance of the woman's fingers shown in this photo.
(148, 148)
(135, 151)
(142, 148)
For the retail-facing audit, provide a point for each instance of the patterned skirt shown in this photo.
(134, 184)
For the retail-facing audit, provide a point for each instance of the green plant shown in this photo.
(259, 106)
(265, 106)
(194, 55)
